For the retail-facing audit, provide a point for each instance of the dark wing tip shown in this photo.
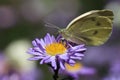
(106, 13)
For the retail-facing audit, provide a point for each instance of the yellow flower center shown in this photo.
(76, 67)
(55, 48)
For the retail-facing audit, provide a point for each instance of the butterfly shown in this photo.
(91, 28)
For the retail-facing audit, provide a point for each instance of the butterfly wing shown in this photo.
(92, 28)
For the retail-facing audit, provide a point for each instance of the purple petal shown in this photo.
(50, 59)
(64, 56)
(47, 39)
(37, 53)
(58, 38)
(78, 54)
(36, 58)
(87, 71)
(44, 59)
(62, 65)
(30, 51)
(81, 49)
(79, 58)
(71, 61)
(82, 45)
(53, 39)
(47, 61)
(54, 64)
(37, 41)
(78, 47)
(34, 53)
(34, 43)
(37, 49)
(39, 45)
(42, 43)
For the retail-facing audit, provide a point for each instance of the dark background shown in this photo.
(21, 21)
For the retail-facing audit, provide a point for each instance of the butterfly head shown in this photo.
(62, 31)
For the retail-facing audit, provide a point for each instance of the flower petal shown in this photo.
(39, 45)
(53, 62)
(64, 56)
(34, 43)
(53, 38)
(81, 49)
(47, 39)
(78, 54)
(42, 43)
(44, 59)
(36, 58)
(76, 58)
(71, 61)
(62, 65)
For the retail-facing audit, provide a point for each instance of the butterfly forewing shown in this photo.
(92, 28)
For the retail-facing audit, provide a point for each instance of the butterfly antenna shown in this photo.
(52, 26)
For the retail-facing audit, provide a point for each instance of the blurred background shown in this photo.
(21, 21)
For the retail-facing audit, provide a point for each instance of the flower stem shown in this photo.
(55, 76)
(56, 71)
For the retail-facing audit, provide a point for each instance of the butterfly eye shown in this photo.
(62, 40)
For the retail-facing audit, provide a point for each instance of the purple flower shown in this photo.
(15, 73)
(114, 70)
(51, 51)
(78, 69)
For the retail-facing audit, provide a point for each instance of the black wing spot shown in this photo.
(98, 24)
(95, 32)
(93, 19)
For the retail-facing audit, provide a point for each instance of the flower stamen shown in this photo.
(55, 49)
(73, 68)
